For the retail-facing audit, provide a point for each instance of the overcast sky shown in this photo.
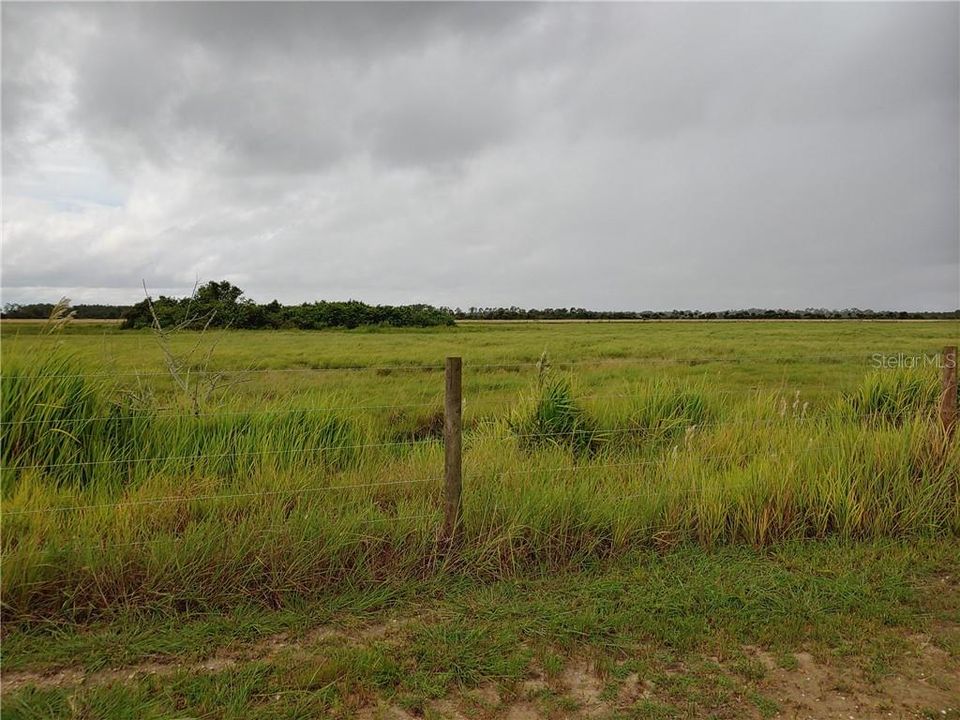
(616, 156)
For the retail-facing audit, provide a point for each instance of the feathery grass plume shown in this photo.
(60, 316)
(543, 368)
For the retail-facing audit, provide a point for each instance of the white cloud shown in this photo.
(609, 156)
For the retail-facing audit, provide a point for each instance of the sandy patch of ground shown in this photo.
(925, 684)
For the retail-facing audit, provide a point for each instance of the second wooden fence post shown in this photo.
(452, 462)
(948, 387)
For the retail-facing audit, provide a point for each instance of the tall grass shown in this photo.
(892, 396)
(551, 415)
(662, 411)
(53, 415)
(267, 507)
(70, 428)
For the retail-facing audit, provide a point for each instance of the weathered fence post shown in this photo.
(948, 387)
(452, 460)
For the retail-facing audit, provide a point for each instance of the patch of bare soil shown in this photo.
(925, 683)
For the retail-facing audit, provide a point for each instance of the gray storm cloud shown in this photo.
(625, 156)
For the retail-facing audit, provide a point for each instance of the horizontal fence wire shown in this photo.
(528, 471)
(678, 425)
(596, 433)
(748, 390)
(228, 413)
(505, 365)
(201, 456)
(227, 371)
(633, 463)
(333, 488)
(272, 532)
(220, 496)
(753, 389)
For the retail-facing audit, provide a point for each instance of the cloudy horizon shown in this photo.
(608, 156)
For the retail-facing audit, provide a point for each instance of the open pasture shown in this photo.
(817, 358)
(324, 448)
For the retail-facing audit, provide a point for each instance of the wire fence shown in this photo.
(294, 492)
(598, 435)
(219, 413)
(261, 534)
(451, 442)
(218, 496)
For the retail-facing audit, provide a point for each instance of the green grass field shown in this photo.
(706, 503)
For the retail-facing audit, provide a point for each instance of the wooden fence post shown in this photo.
(948, 387)
(453, 462)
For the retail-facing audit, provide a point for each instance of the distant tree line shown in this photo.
(516, 313)
(221, 304)
(41, 311)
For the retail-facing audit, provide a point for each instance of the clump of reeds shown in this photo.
(664, 410)
(54, 416)
(891, 396)
(551, 415)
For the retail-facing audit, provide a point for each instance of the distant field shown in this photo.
(311, 478)
(40, 323)
(815, 357)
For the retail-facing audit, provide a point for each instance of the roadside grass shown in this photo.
(684, 620)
